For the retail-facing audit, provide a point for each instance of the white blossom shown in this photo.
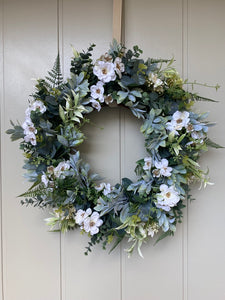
(44, 179)
(155, 80)
(95, 104)
(92, 223)
(104, 71)
(30, 138)
(197, 135)
(81, 215)
(108, 99)
(28, 111)
(163, 168)
(119, 66)
(106, 57)
(38, 105)
(168, 197)
(100, 187)
(179, 121)
(148, 163)
(61, 168)
(28, 127)
(97, 91)
(106, 187)
(152, 229)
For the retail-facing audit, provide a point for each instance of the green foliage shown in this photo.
(16, 132)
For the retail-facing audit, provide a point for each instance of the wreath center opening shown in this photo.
(113, 143)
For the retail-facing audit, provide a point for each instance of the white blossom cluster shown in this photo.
(182, 120)
(28, 126)
(168, 197)
(105, 187)
(88, 221)
(106, 70)
(55, 172)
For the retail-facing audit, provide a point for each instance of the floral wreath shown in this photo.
(174, 136)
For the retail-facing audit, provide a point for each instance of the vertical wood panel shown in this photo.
(157, 28)
(1, 118)
(206, 242)
(98, 275)
(31, 254)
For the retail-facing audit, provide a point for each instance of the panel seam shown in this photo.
(60, 47)
(185, 16)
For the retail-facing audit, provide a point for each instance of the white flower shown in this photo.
(179, 120)
(61, 168)
(106, 57)
(119, 66)
(92, 223)
(45, 179)
(28, 127)
(50, 170)
(163, 168)
(107, 189)
(38, 105)
(104, 71)
(97, 91)
(148, 163)
(152, 229)
(100, 187)
(197, 135)
(95, 104)
(28, 111)
(155, 80)
(81, 215)
(108, 99)
(168, 197)
(30, 138)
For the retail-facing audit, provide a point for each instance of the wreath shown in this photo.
(175, 137)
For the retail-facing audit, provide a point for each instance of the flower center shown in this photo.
(190, 127)
(92, 223)
(179, 121)
(168, 194)
(156, 172)
(98, 91)
(104, 71)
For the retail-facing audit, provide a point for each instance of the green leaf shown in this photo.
(122, 96)
(62, 113)
(212, 144)
(162, 236)
(62, 140)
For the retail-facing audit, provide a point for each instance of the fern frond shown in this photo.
(55, 78)
(38, 191)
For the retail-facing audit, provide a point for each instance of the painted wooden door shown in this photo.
(39, 265)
